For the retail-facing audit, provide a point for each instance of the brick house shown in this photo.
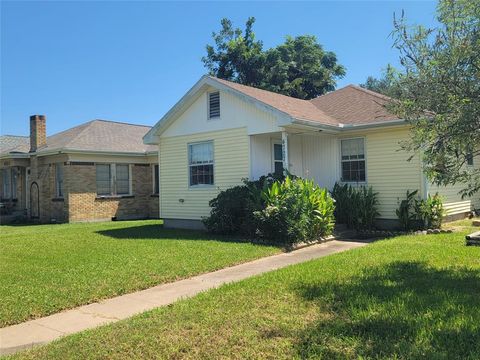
(100, 170)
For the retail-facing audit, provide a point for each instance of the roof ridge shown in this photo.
(119, 122)
(368, 91)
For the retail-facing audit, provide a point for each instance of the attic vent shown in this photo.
(214, 105)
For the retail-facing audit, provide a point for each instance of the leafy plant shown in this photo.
(233, 208)
(355, 207)
(430, 211)
(415, 213)
(406, 211)
(295, 210)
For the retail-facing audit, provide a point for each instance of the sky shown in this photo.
(132, 61)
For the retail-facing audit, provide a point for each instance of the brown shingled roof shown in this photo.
(355, 105)
(101, 135)
(349, 105)
(297, 108)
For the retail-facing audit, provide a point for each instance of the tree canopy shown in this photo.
(386, 84)
(299, 67)
(440, 92)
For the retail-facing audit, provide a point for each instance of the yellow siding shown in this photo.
(452, 201)
(231, 156)
(388, 170)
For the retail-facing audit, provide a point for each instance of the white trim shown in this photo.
(364, 159)
(274, 142)
(189, 166)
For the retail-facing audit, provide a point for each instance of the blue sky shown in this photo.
(131, 61)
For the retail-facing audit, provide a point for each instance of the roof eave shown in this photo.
(94, 152)
(379, 124)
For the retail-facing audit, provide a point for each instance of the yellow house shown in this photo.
(221, 132)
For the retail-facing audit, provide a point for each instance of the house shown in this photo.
(100, 170)
(221, 132)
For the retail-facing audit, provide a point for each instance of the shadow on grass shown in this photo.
(402, 310)
(158, 232)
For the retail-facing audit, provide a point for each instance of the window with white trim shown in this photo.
(277, 159)
(214, 105)
(59, 180)
(353, 160)
(113, 179)
(201, 163)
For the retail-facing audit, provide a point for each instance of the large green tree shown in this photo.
(299, 67)
(440, 92)
(386, 84)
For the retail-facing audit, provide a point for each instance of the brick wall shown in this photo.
(85, 205)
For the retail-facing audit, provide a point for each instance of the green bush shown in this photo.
(233, 208)
(415, 213)
(295, 210)
(355, 207)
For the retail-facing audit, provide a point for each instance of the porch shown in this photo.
(305, 153)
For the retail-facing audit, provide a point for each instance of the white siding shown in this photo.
(234, 113)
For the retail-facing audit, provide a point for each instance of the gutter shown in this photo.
(92, 152)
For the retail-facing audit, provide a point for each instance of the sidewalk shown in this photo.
(40, 331)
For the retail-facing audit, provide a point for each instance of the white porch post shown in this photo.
(285, 151)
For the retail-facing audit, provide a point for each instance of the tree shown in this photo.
(236, 57)
(440, 92)
(299, 67)
(387, 84)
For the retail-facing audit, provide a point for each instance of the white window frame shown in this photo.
(342, 161)
(113, 180)
(219, 106)
(276, 142)
(200, 186)
(57, 187)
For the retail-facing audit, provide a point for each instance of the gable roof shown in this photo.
(296, 108)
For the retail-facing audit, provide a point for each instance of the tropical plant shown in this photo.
(430, 211)
(355, 207)
(406, 211)
(295, 210)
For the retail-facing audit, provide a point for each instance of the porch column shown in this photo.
(285, 151)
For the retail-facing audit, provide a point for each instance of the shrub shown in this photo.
(415, 213)
(406, 211)
(430, 211)
(295, 210)
(233, 208)
(355, 207)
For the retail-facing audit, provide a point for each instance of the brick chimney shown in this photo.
(38, 132)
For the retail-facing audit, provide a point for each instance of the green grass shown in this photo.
(411, 297)
(48, 268)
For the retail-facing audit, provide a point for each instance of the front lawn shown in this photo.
(48, 268)
(405, 298)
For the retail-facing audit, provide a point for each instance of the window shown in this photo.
(470, 158)
(104, 180)
(353, 160)
(156, 180)
(277, 159)
(59, 180)
(113, 179)
(214, 105)
(122, 183)
(200, 163)
(7, 183)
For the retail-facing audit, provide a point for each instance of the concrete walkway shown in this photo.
(46, 329)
